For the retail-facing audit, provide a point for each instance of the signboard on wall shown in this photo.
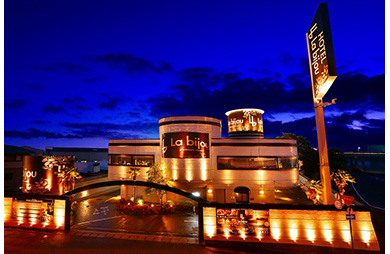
(48, 174)
(243, 222)
(245, 120)
(45, 212)
(321, 53)
(185, 145)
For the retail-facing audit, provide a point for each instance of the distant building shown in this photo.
(13, 165)
(372, 161)
(88, 160)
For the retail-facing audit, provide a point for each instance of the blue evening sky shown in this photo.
(78, 73)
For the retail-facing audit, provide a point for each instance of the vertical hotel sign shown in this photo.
(321, 53)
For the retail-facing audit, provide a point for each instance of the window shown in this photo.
(251, 162)
(131, 160)
(288, 162)
(246, 163)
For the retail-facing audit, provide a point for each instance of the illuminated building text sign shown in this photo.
(245, 121)
(242, 222)
(321, 54)
(185, 145)
(47, 174)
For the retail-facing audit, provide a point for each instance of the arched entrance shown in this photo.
(242, 194)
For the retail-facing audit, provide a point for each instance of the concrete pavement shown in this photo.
(93, 242)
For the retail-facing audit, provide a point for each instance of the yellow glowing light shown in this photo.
(261, 192)
(366, 235)
(276, 233)
(293, 233)
(174, 174)
(311, 235)
(204, 175)
(189, 175)
(140, 202)
(210, 230)
(328, 235)
(132, 199)
(226, 232)
(210, 191)
(346, 235)
(84, 193)
(259, 234)
(242, 234)
(152, 205)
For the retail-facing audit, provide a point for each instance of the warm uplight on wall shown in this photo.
(189, 175)
(259, 234)
(204, 175)
(242, 233)
(209, 191)
(366, 235)
(226, 232)
(203, 168)
(174, 175)
(210, 230)
(293, 232)
(327, 233)
(261, 192)
(310, 233)
(346, 235)
(275, 225)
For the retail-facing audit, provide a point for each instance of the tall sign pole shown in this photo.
(323, 73)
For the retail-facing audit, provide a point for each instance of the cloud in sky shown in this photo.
(132, 64)
(287, 102)
(15, 103)
(55, 109)
(35, 133)
(146, 60)
(64, 66)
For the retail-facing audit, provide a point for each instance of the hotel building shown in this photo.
(245, 167)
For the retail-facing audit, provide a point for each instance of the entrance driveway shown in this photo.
(100, 213)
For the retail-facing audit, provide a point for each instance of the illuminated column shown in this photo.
(123, 191)
(210, 221)
(59, 213)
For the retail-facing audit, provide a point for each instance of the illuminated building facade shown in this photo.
(245, 167)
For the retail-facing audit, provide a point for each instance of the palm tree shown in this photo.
(133, 173)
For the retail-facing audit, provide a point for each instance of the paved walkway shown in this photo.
(94, 242)
(133, 236)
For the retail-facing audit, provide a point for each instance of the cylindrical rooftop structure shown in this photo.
(246, 122)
